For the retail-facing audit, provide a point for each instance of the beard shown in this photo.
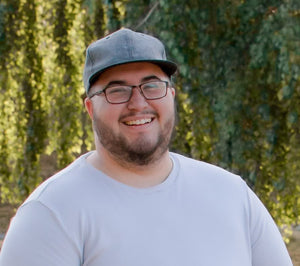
(141, 151)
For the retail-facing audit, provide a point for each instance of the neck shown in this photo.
(140, 176)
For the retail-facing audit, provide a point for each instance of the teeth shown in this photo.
(138, 122)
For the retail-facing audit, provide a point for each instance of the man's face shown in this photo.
(139, 131)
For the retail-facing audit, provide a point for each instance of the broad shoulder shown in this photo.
(190, 164)
(67, 182)
(205, 173)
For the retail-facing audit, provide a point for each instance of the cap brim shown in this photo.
(168, 67)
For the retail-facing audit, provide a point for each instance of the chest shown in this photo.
(166, 229)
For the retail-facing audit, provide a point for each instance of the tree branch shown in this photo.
(148, 15)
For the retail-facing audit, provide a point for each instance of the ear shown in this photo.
(173, 91)
(89, 106)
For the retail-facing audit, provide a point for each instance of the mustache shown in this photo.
(124, 116)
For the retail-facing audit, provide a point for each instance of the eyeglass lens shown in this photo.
(150, 90)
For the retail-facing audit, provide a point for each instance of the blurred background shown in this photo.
(238, 88)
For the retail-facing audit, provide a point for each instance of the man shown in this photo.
(131, 201)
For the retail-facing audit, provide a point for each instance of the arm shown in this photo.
(268, 248)
(36, 237)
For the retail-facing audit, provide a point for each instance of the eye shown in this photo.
(117, 90)
(152, 86)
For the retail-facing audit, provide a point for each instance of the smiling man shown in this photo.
(131, 202)
(133, 124)
(143, 127)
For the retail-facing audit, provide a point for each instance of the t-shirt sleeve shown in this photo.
(268, 248)
(36, 237)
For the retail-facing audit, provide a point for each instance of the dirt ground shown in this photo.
(294, 247)
(7, 211)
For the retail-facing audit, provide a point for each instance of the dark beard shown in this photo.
(140, 153)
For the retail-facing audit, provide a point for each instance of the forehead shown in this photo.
(132, 73)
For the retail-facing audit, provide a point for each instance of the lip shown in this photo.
(138, 120)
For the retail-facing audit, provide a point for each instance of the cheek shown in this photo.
(108, 114)
(166, 111)
(168, 105)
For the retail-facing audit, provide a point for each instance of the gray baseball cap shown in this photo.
(121, 47)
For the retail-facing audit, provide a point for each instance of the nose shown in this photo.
(137, 100)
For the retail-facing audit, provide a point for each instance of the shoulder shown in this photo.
(63, 184)
(201, 168)
(208, 177)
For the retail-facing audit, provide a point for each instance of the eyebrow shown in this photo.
(122, 82)
(150, 78)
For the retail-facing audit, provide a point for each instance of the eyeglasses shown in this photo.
(151, 90)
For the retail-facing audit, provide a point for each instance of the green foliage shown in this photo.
(238, 86)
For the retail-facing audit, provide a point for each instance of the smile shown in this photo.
(138, 122)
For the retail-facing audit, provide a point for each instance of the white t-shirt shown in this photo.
(201, 215)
